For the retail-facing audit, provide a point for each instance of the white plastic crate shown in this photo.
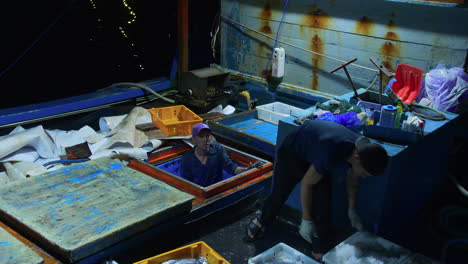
(282, 253)
(275, 111)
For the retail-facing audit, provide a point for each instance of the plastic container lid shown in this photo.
(389, 108)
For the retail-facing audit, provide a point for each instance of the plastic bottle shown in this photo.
(398, 116)
(278, 63)
(370, 119)
(388, 116)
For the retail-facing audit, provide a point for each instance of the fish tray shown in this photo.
(276, 111)
(174, 120)
(190, 251)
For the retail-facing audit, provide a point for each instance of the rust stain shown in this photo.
(317, 46)
(265, 28)
(301, 29)
(265, 14)
(392, 35)
(364, 26)
(266, 74)
(389, 51)
(317, 18)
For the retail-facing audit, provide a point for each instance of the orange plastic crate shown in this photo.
(189, 251)
(174, 120)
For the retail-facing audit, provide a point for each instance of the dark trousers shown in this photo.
(288, 172)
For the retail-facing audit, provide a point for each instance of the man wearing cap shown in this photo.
(313, 153)
(204, 163)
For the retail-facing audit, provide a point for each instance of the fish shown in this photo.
(200, 260)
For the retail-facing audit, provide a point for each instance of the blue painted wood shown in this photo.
(393, 32)
(210, 206)
(14, 251)
(50, 108)
(246, 129)
(264, 130)
(389, 201)
(82, 209)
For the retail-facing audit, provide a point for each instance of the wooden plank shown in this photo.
(47, 259)
(81, 209)
(13, 251)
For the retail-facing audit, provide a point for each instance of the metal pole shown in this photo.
(352, 84)
(381, 87)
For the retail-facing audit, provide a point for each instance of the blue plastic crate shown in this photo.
(367, 108)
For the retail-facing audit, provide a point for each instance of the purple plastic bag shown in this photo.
(445, 86)
(348, 119)
(327, 116)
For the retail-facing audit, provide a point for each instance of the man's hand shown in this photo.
(307, 230)
(256, 165)
(355, 220)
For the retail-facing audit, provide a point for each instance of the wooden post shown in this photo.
(182, 35)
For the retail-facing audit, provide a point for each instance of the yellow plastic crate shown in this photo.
(174, 120)
(189, 251)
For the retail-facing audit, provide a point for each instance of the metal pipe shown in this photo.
(352, 84)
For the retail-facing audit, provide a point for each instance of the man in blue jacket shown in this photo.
(203, 165)
(313, 153)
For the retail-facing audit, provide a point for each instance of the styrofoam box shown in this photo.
(282, 253)
(275, 111)
(366, 248)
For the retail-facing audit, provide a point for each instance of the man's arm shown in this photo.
(311, 177)
(353, 187)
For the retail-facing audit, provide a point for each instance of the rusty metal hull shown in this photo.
(393, 32)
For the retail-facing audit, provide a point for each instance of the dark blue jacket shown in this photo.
(211, 172)
(325, 144)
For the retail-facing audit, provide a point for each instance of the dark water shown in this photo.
(61, 48)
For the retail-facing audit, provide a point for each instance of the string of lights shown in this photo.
(124, 34)
(123, 29)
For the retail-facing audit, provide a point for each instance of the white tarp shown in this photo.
(24, 151)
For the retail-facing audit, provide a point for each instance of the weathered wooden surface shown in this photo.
(81, 209)
(393, 32)
(12, 251)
